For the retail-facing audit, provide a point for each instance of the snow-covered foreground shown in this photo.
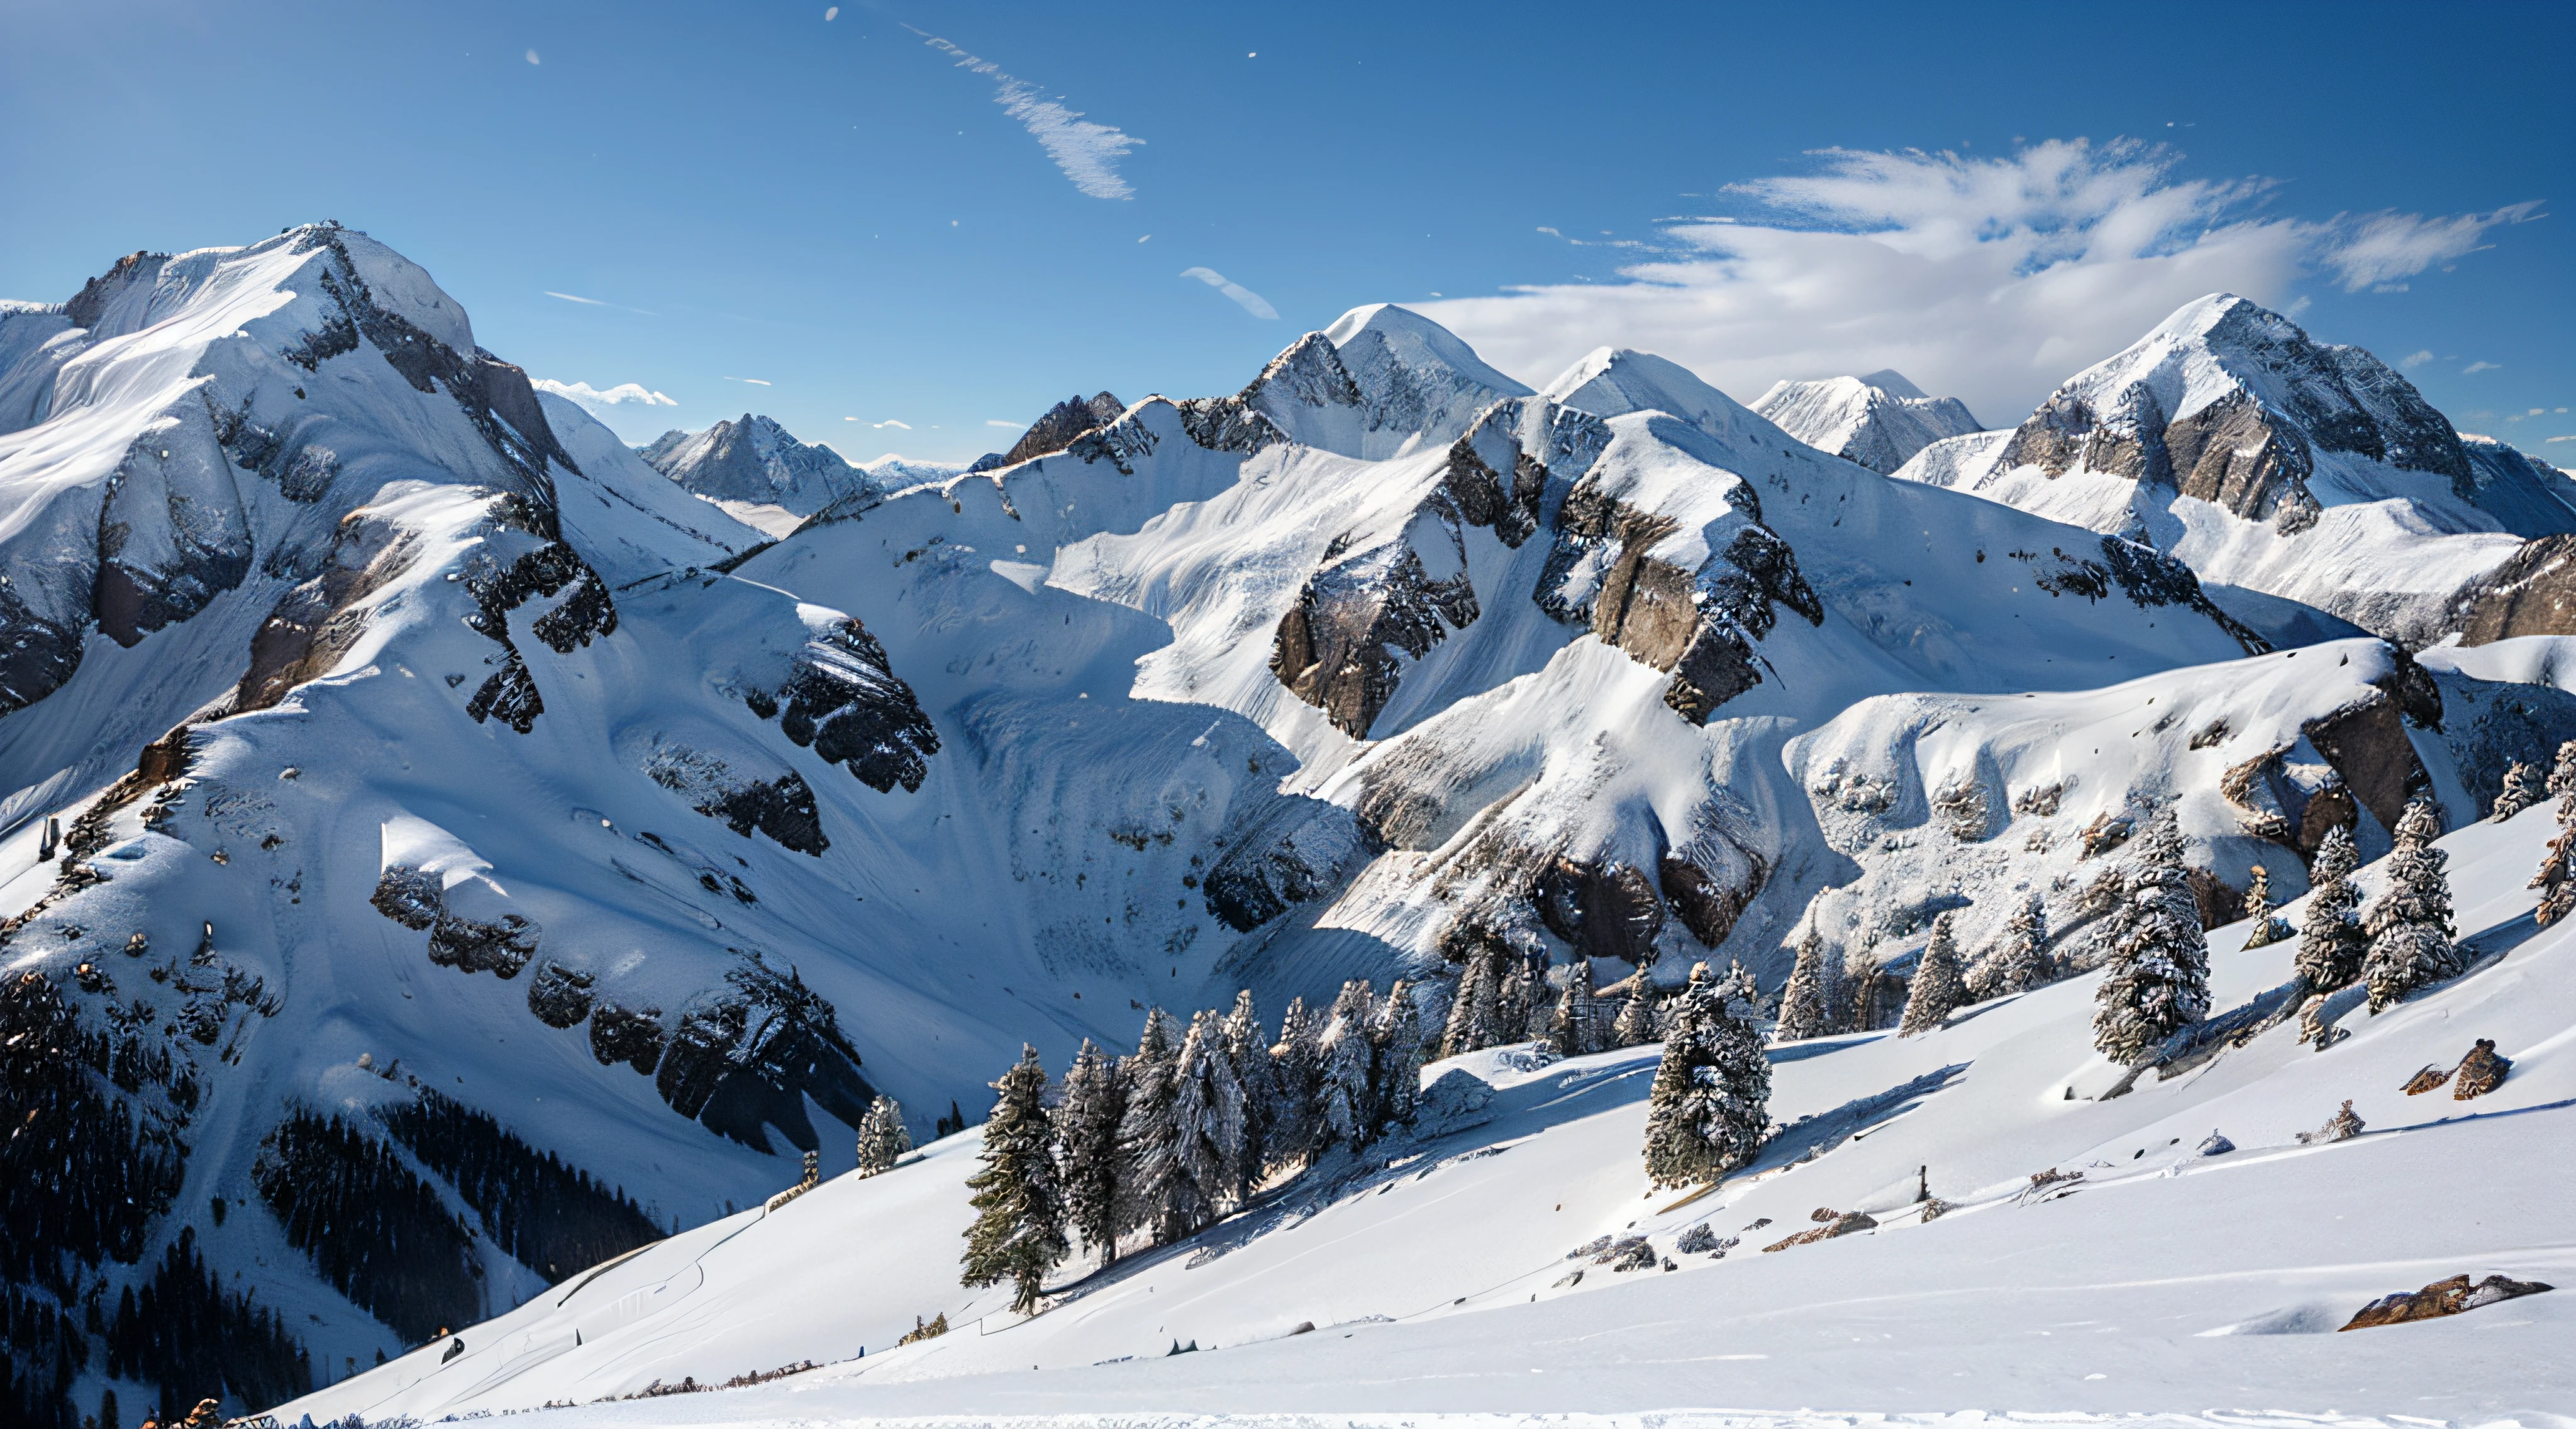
(1435, 1273)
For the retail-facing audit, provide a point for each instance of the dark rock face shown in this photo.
(749, 1057)
(1336, 648)
(2228, 453)
(843, 699)
(560, 997)
(782, 808)
(753, 458)
(633, 1036)
(2532, 593)
(36, 654)
(1604, 910)
(2150, 577)
(500, 947)
(2366, 743)
(317, 622)
(1062, 423)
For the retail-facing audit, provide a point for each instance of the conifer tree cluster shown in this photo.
(1802, 1002)
(2158, 977)
(2523, 787)
(2410, 925)
(2022, 962)
(1163, 1143)
(1709, 1109)
(1502, 997)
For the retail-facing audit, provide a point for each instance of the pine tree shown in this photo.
(1637, 1021)
(1250, 1057)
(1207, 1133)
(1802, 1002)
(2158, 978)
(1018, 1234)
(1086, 1129)
(1297, 1069)
(1512, 1001)
(1475, 1011)
(1708, 1111)
(2523, 787)
(1395, 1044)
(2410, 925)
(2258, 906)
(2022, 962)
(1146, 1136)
(2562, 778)
(1342, 1092)
(2331, 943)
(883, 1138)
(2557, 877)
(1936, 990)
(1570, 1027)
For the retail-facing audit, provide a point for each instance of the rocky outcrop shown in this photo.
(2443, 1297)
(1336, 648)
(1061, 424)
(2532, 593)
(842, 698)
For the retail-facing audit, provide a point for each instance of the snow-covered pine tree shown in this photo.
(1086, 1133)
(2557, 876)
(1475, 1014)
(1018, 1234)
(2524, 786)
(1802, 1002)
(1708, 1110)
(1395, 1045)
(2410, 925)
(1297, 1070)
(1250, 1056)
(1570, 1026)
(883, 1138)
(1637, 1020)
(1207, 1134)
(2331, 942)
(2022, 962)
(2258, 907)
(1146, 1135)
(1342, 1094)
(2562, 779)
(1936, 990)
(2157, 981)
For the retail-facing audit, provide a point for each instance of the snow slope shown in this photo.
(1437, 1277)
(2267, 461)
(512, 771)
(1880, 420)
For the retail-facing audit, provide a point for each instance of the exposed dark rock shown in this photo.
(1294, 853)
(1336, 647)
(619, 1034)
(782, 808)
(1063, 422)
(2150, 577)
(1604, 910)
(318, 622)
(2441, 1298)
(842, 698)
(2532, 593)
(1707, 904)
(560, 996)
(409, 897)
(90, 303)
(510, 694)
(2231, 453)
(501, 947)
(2366, 743)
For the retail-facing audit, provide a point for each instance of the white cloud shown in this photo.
(1991, 279)
(2416, 358)
(1088, 153)
(831, 13)
(2480, 366)
(623, 394)
(1011, 426)
(891, 422)
(570, 298)
(754, 381)
(1250, 301)
(2559, 439)
(532, 58)
(2370, 252)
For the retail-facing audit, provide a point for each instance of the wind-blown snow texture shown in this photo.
(505, 768)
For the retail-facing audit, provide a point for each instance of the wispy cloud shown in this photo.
(572, 298)
(1010, 426)
(2416, 358)
(1088, 153)
(2375, 250)
(1250, 301)
(623, 394)
(2480, 366)
(754, 381)
(891, 422)
(1986, 278)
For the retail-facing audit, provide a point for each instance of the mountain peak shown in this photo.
(1419, 342)
(1880, 420)
(1614, 381)
(755, 461)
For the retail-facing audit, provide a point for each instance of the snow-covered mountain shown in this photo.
(2261, 459)
(1880, 420)
(755, 470)
(352, 670)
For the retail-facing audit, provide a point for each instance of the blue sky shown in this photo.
(883, 228)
